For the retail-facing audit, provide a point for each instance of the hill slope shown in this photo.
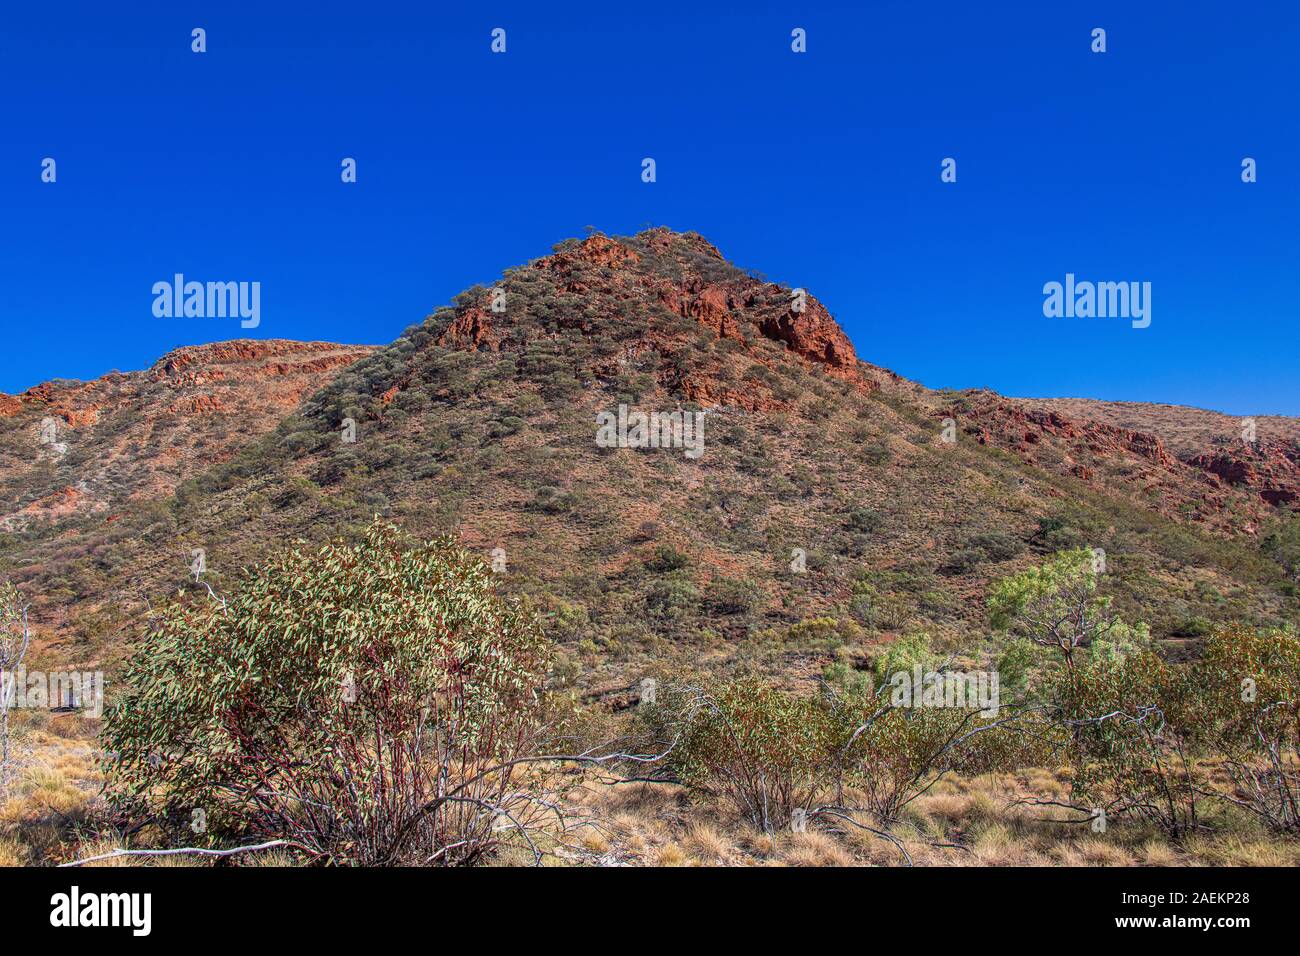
(828, 511)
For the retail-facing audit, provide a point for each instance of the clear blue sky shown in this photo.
(821, 170)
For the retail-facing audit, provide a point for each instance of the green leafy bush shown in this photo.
(763, 751)
(1250, 681)
(1133, 738)
(962, 562)
(727, 596)
(995, 545)
(667, 558)
(362, 702)
(672, 598)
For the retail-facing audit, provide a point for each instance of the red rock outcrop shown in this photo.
(722, 306)
(1266, 467)
(1007, 423)
(471, 329)
(814, 335)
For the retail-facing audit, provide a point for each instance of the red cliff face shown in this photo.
(1011, 424)
(1127, 462)
(1266, 467)
(471, 329)
(602, 288)
(812, 334)
(699, 285)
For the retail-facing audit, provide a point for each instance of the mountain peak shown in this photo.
(644, 286)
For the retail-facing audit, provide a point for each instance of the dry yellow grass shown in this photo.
(1235, 851)
(1156, 853)
(708, 845)
(994, 844)
(761, 845)
(671, 855)
(1096, 851)
(12, 852)
(814, 849)
(958, 822)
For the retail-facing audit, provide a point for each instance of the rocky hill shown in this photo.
(833, 505)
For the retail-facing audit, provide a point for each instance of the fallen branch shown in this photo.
(199, 851)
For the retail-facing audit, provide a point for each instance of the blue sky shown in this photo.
(821, 170)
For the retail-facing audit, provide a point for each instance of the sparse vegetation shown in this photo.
(826, 541)
(15, 639)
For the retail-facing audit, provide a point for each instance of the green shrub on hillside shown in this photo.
(351, 701)
(762, 751)
(1250, 683)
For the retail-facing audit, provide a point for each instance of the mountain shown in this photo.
(834, 506)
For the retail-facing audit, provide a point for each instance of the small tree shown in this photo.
(764, 751)
(890, 754)
(1249, 682)
(898, 753)
(770, 753)
(15, 637)
(1133, 722)
(1057, 606)
(369, 703)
